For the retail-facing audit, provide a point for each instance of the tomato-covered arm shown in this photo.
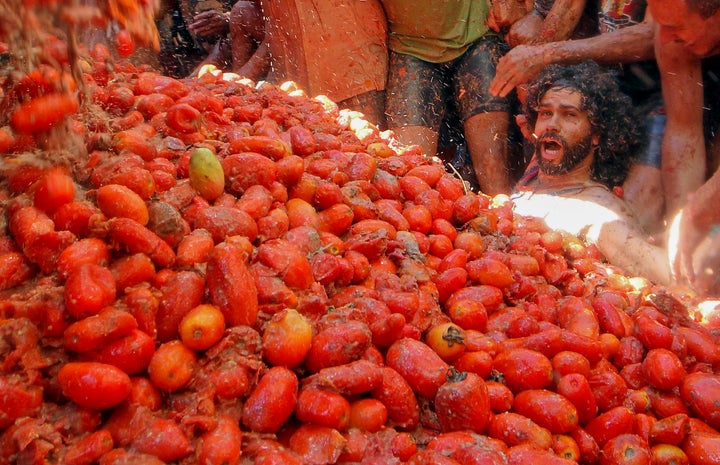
(683, 146)
(560, 22)
(625, 246)
(524, 62)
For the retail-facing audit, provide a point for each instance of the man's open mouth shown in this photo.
(551, 148)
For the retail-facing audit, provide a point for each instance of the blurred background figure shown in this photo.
(192, 33)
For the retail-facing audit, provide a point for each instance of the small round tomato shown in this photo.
(56, 188)
(124, 43)
(93, 385)
(287, 338)
(368, 414)
(202, 327)
(447, 340)
(468, 314)
(629, 449)
(172, 365)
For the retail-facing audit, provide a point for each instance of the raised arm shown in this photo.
(683, 146)
(524, 62)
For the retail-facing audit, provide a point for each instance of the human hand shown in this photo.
(210, 22)
(519, 66)
(504, 13)
(684, 236)
(707, 272)
(524, 30)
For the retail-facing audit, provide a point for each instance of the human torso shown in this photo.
(435, 31)
(579, 209)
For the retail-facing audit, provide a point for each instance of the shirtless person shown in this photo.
(584, 133)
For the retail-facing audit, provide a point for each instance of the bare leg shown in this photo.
(487, 139)
(246, 31)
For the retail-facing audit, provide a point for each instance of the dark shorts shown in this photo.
(418, 91)
(653, 113)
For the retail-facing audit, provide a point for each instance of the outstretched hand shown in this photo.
(210, 22)
(693, 255)
(519, 66)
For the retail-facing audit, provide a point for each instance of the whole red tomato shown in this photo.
(93, 385)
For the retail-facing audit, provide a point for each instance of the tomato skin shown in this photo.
(86, 250)
(349, 379)
(75, 217)
(702, 448)
(124, 43)
(626, 449)
(15, 269)
(222, 444)
(447, 340)
(272, 147)
(183, 291)
(576, 388)
(338, 344)
(524, 369)
(700, 344)
(231, 286)
(607, 425)
(56, 188)
(89, 449)
(670, 430)
(93, 385)
(172, 366)
(317, 444)
(131, 270)
(272, 401)
(421, 367)
(322, 407)
(663, 369)
(116, 200)
(131, 353)
(701, 392)
(95, 331)
(609, 388)
(368, 415)
(202, 327)
(17, 400)
(462, 403)
(667, 454)
(514, 429)
(524, 453)
(88, 289)
(548, 409)
(588, 448)
(399, 399)
(43, 112)
(136, 238)
(150, 82)
(164, 439)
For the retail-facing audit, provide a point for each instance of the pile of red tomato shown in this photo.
(339, 299)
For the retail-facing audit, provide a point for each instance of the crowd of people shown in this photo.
(612, 103)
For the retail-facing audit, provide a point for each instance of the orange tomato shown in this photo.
(202, 327)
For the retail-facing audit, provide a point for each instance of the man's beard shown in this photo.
(572, 154)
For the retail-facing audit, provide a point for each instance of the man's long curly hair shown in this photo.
(610, 112)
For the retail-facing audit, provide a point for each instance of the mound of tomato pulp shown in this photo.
(203, 271)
